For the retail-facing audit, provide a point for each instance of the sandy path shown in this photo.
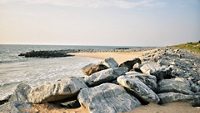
(176, 107)
(118, 56)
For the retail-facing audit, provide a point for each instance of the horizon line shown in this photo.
(76, 45)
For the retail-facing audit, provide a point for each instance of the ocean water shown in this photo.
(9, 53)
(15, 69)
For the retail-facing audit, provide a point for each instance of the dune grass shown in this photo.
(191, 46)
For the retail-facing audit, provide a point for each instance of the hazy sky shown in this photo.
(99, 22)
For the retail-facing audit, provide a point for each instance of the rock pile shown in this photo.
(45, 54)
(162, 76)
(64, 52)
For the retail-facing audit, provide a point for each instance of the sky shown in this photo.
(99, 22)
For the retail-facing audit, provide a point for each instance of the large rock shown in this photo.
(185, 68)
(194, 87)
(196, 101)
(110, 62)
(15, 107)
(21, 93)
(107, 98)
(5, 108)
(6, 90)
(149, 67)
(152, 68)
(92, 68)
(20, 107)
(148, 80)
(178, 85)
(105, 76)
(56, 91)
(172, 97)
(130, 63)
(138, 88)
(18, 102)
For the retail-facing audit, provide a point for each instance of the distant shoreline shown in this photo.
(83, 45)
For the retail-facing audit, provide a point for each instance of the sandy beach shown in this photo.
(174, 107)
(99, 56)
(118, 56)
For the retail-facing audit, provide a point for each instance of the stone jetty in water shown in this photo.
(161, 76)
(46, 54)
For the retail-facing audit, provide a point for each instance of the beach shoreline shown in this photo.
(120, 57)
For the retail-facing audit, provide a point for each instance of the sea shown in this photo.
(15, 69)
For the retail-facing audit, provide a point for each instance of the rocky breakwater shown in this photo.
(161, 76)
(65, 52)
(46, 54)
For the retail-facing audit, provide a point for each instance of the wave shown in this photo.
(8, 61)
(12, 61)
(7, 84)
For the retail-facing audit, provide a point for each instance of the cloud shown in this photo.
(87, 3)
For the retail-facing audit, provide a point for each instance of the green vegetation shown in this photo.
(191, 46)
